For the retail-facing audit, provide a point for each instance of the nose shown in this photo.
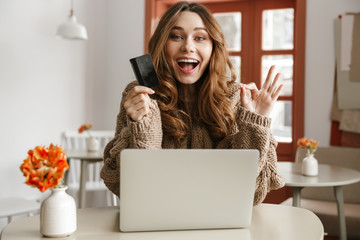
(188, 46)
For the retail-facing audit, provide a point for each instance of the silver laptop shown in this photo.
(182, 189)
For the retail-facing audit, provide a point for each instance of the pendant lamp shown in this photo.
(72, 29)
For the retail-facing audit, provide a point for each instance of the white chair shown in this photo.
(94, 184)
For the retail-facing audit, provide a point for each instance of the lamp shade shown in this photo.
(72, 29)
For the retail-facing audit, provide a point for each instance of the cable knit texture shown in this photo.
(250, 131)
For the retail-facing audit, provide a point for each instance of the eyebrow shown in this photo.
(196, 29)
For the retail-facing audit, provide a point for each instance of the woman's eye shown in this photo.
(175, 37)
(199, 38)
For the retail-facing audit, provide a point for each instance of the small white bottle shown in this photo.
(310, 166)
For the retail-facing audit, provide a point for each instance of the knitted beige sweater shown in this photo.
(250, 131)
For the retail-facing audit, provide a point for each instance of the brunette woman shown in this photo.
(198, 105)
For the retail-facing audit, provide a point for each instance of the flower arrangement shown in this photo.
(45, 167)
(310, 145)
(85, 127)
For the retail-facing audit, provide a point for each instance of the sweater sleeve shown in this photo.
(252, 131)
(146, 133)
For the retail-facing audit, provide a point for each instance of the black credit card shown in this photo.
(144, 70)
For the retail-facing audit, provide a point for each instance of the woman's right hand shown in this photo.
(138, 103)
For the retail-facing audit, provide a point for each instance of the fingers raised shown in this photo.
(246, 97)
(268, 81)
(273, 85)
(276, 94)
(262, 100)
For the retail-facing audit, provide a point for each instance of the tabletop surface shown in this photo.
(329, 175)
(269, 222)
(84, 154)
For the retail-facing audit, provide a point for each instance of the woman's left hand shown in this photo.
(262, 101)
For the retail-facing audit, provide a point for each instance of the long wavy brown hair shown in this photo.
(213, 107)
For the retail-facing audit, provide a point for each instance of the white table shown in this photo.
(329, 176)
(12, 206)
(270, 222)
(85, 157)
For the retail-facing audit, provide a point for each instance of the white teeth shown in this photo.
(187, 61)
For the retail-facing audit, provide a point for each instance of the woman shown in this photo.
(196, 105)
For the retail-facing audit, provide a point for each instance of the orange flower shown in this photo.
(313, 144)
(44, 167)
(302, 142)
(310, 145)
(85, 127)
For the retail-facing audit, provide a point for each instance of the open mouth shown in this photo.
(187, 65)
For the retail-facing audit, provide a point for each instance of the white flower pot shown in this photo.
(310, 166)
(92, 144)
(58, 214)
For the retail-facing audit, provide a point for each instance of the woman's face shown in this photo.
(189, 47)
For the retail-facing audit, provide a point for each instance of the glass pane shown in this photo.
(236, 61)
(284, 65)
(281, 121)
(278, 29)
(230, 24)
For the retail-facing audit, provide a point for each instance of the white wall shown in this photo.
(125, 40)
(320, 64)
(42, 82)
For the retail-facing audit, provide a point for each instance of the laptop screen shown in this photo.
(178, 189)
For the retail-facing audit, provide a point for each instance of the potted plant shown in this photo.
(44, 168)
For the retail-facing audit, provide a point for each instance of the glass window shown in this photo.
(281, 121)
(236, 61)
(230, 24)
(278, 29)
(284, 65)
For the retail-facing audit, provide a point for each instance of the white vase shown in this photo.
(58, 214)
(310, 166)
(92, 144)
